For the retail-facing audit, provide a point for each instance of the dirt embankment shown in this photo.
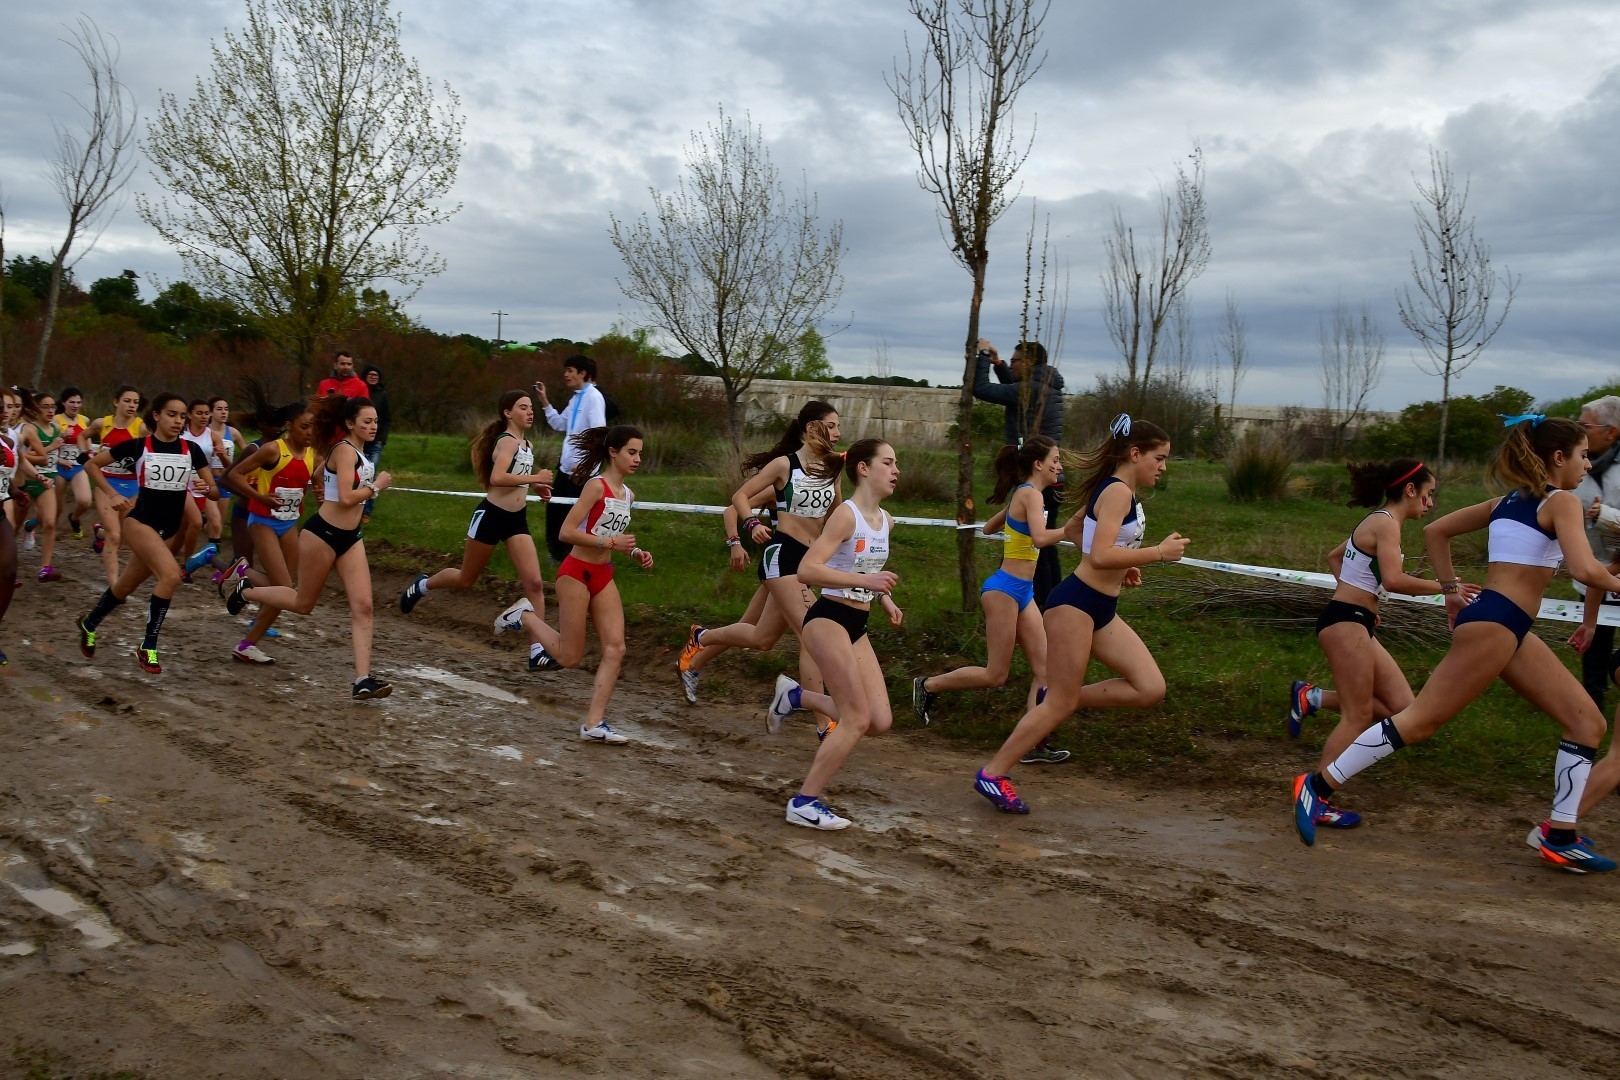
(225, 871)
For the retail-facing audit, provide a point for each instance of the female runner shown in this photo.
(503, 458)
(1082, 623)
(802, 471)
(270, 482)
(12, 465)
(164, 465)
(596, 527)
(846, 561)
(120, 426)
(331, 536)
(42, 442)
(694, 658)
(73, 479)
(1371, 685)
(1008, 595)
(270, 422)
(1537, 523)
(199, 520)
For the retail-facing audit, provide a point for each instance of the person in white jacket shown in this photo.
(586, 409)
(1599, 493)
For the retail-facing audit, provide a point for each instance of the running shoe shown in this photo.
(234, 600)
(48, 573)
(689, 681)
(28, 539)
(75, 528)
(1329, 816)
(1306, 807)
(689, 675)
(1538, 836)
(601, 733)
(1299, 706)
(822, 733)
(540, 660)
(87, 639)
(201, 558)
(249, 653)
(1044, 753)
(228, 577)
(101, 537)
(921, 700)
(3, 659)
(413, 594)
(1577, 858)
(781, 708)
(815, 815)
(1001, 793)
(369, 687)
(512, 617)
(148, 659)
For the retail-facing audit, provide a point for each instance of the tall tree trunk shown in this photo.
(965, 510)
(1445, 416)
(52, 298)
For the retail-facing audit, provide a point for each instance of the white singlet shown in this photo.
(864, 552)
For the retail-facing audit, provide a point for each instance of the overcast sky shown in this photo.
(1313, 118)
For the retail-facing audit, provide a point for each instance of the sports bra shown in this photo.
(1016, 543)
(1360, 569)
(805, 495)
(522, 463)
(610, 517)
(287, 478)
(364, 473)
(1515, 535)
(864, 552)
(112, 436)
(1131, 530)
(214, 461)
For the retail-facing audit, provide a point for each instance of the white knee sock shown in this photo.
(1370, 747)
(1573, 766)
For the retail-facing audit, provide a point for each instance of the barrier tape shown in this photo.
(1552, 610)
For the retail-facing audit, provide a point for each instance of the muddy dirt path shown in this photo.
(225, 871)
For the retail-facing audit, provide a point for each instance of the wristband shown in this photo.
(635, 551)
(1450, 590)
(733, 541)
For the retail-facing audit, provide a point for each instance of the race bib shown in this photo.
(812, 502)
(523, 461)
(292, 503)
(873, 553)
(615, 519)
(166, 472)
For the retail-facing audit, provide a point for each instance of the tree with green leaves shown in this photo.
(955, 99)
(304, 166)
(728, 265)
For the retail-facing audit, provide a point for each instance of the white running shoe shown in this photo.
(601, 733)
(512, 617)
(814, 815)
(689, 679)
(28, 541)
(781, 708)
(251, 654)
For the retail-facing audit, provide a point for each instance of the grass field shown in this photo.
(1229, 647)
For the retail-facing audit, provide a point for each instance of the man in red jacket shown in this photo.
(343, 379)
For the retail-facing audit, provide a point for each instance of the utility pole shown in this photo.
(499, 315)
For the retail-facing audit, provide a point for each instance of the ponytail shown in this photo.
(1520, 463)
(596, 445)
(799, 434)
(333, 415)
(1374, 483)
(1124, 435)
(1015, 463)
(483, 447)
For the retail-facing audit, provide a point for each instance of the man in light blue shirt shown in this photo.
(586, 409)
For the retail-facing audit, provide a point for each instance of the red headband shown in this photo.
(1414, 471)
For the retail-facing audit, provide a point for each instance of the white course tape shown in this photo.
(1554, 610)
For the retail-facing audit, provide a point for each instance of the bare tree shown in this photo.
(1232, 357)
(880, 366)
(1447, 307)
(1143, 281)
(304, 167)
(90, 165)
(955, 98)
(727, 264)
(1045, 314)
(1352, 367)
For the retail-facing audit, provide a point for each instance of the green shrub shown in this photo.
(1258, 468)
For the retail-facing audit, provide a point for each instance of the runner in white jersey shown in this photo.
(847, 562)
(802, 471)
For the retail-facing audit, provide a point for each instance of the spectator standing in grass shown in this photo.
(343, 380)
(1031, 392)
(1599, 492)
(585, 411)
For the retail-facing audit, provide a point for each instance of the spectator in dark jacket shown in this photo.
(371, 376)
(1031, 391)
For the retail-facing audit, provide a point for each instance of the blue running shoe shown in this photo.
(1306, 807)
(1538, 836)
(202, 558)
(1329, 816)
(1577, 858)
(1299, 706)
(1001, 793)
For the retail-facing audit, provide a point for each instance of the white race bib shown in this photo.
(615, 519)
(166, 472)
(869, 561)
(292, 503)
(812, 500)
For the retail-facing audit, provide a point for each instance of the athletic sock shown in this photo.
(802, 799)
(795, 697)
(1320, 785)
(1370, 747)
(1314, 696)
(154, 621)
(103, 608)
(1561, 837)
(535, 649)
(1572, 767)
